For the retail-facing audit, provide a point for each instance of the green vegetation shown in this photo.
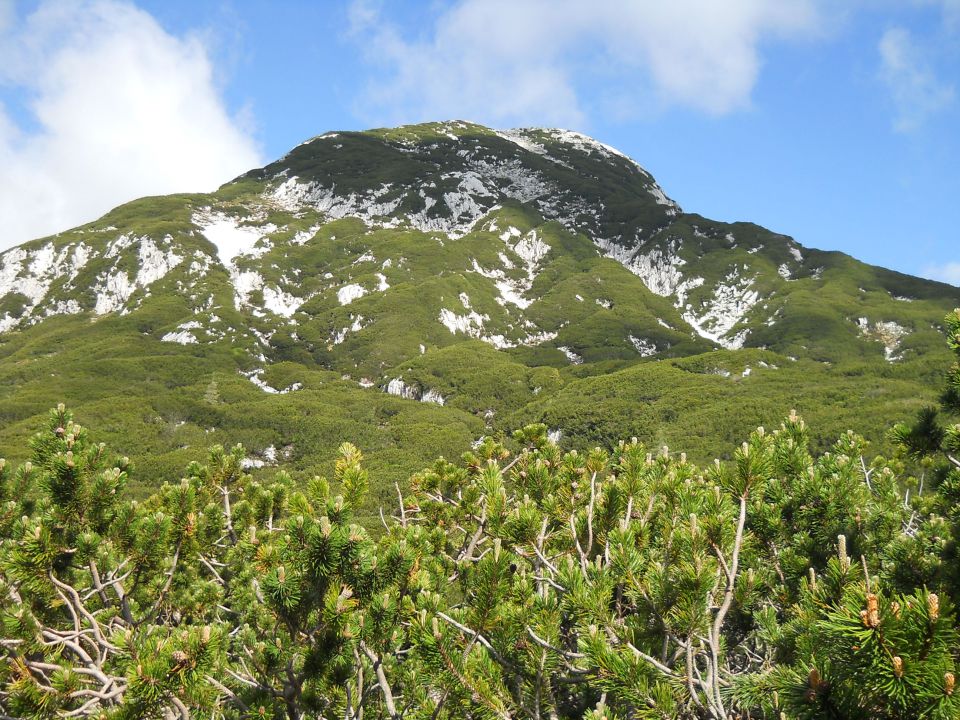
(408, 291)
(575, 295)
(162, 404)
(521, 582)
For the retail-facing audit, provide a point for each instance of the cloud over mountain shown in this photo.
(512, 62)
(111, 106)
(907, 71)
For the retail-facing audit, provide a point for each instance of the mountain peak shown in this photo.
(444, 177)
(525, 197)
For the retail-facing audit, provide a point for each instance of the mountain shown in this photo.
(411, 289)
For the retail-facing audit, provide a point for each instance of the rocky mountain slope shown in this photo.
(411, 288)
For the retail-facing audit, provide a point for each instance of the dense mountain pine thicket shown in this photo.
(520, 582)
(410, 289)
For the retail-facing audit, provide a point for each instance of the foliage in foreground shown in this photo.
(524, 583)
(535, 584)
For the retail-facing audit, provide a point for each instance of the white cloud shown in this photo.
(510, 61)
(117, 108)
(909, 75)
(948, 273)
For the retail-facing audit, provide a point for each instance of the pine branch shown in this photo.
(652, 660)
(76, 605)
(475, 635)
(567, 654)
(716, 699)
(166, 585)
(381, 680)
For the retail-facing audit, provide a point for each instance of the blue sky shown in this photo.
(840, 127)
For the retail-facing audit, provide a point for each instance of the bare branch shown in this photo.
(381, 680)
(403, 510)
(544, 644)
(652, 660)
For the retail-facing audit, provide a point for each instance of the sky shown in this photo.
(837, 123)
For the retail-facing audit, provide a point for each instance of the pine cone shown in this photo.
(181, 660)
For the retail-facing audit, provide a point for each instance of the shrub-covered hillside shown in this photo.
(411, 289)
(522, 581)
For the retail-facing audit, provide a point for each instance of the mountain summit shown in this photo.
(494, 276)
